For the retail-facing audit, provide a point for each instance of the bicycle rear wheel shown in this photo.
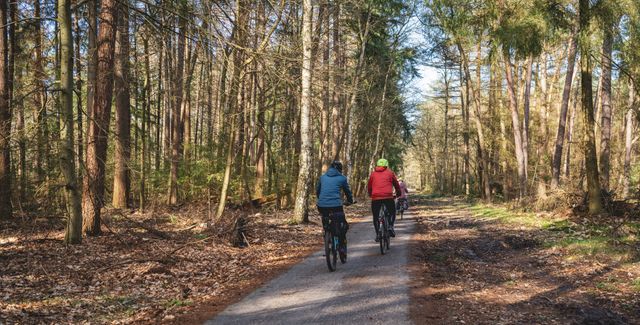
(382, 229)
(329, 251)
(386, 234)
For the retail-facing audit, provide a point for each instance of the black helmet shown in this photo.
(337, 165)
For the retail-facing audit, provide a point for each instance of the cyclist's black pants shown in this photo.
(338, 217)
(391, 209)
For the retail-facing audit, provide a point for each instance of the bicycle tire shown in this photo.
(382, 228)
(328, 243)
(342, 259)
(386, 234)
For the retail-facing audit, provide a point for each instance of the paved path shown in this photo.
(369, 289)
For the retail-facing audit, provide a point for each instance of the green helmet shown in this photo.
(382, 163)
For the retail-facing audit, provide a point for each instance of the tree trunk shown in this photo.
(234, 98)
(336, 80)
(464, 107)
(605, 112)
(301, 208)
(364, 34)
(79, 112)
(517, 128)
(525, 119)
(591, 159)
(40, 116)
(92, 60)
(121, 177)
(566, 94)
(97, 136)
(73, 233)
(176, 120)
(628, 142)
(5, 118)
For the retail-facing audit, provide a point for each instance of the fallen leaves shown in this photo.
(132, 274)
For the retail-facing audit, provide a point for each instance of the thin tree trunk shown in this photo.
(628, 142)
(517, 129)
(566, 93)
(176, 123)
(572, 120)
(354, 95)
(605, 112)
(92, 60)
(93, 189)
(73, 233)
(525, 122)
(14, 76)
(41, 128)
(234, 98)
(79, 112)
(336, 80)
(121, 177)
(445, 148)
(464, 107)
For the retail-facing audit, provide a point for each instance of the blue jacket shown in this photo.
(328, 189)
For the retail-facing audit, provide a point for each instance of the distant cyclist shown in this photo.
(329, 195)
(403, 201)
(382, 183)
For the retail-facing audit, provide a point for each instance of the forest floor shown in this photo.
(486, 264)
(157, 267)
(469, 263)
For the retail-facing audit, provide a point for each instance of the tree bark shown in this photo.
(564, 107)
(591, 159)
(517, 128)
(176, 120)
(605, 111)
(121, 177)
(42, 152)
(5, 118)
(628, 142)
(92, 59)
(301, 208)
(73, 233)
(364, 35)
(97, 136)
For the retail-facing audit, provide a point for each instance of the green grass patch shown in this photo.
(505, 215)
(200, 236)
(172, 303)
(577, 239)
(635, 284)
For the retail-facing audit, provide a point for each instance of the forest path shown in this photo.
(369, 289)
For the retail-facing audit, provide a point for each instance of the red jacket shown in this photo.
(381, 184)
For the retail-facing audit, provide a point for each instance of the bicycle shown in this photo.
(333, 246)
(401, 206)
(383, 229)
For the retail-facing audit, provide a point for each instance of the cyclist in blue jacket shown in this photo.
(329, 195)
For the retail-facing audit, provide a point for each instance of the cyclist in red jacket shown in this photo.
(382, 183)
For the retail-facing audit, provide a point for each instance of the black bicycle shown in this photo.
(384, 237)
(334, 246)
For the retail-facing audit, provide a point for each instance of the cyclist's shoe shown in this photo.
(377, 238)
(392, 232)
(343, 253)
